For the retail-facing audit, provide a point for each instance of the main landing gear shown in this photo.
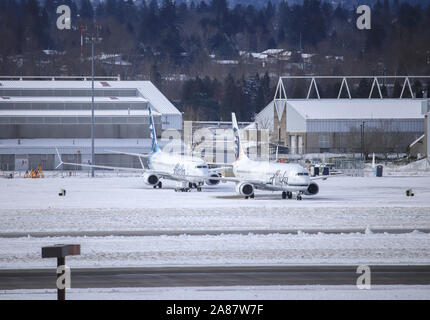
(195, 186)
(159, 185)
(182, 190)
(289, 195)
(250, 197)
(184, 187)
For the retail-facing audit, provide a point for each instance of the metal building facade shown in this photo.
(344, 125)
(37, 115)
(348, 125)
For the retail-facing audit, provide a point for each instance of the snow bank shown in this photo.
(251, 249)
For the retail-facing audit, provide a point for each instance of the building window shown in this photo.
(324, 141)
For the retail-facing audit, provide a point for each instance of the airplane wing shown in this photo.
(326, 177)
(101, 167)
(258, 184)
(142, 155)
(162, 174)
(217, 170)
(219, 164)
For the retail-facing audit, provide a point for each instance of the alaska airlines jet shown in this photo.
(263, 175)
(189, 172)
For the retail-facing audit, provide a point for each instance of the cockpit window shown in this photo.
(302, 173)
(201, 167)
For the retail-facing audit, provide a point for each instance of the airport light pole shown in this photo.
(94, 38)
(362, 138)
(92, 104)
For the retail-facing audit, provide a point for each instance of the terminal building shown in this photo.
(37, 115)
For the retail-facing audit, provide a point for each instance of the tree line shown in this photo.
(165, 38)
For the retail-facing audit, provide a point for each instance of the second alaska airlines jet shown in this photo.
(189, 172)
(264, 175)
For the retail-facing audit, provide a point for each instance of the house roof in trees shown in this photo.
(258, 55)
(273, 51)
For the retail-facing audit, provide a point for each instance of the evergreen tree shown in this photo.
(363, 89)
(155, 77)
(417, 89)
(409, 16)
(397, 90)
(86, 11)
(231, 99)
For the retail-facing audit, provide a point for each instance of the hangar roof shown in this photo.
(341, 109)
(74, 113)
(301, 110)
(146, 89)
(113, 99)
(359, 109)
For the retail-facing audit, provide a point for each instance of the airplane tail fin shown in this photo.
(152, 132)
(238, 150)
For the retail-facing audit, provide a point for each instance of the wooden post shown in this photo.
(60, 251)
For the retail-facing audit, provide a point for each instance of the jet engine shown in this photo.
(245, 189)
(213, 182)
(151, 179)
(312, 190)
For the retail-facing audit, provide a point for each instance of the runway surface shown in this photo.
(215, 276)
(145, 233)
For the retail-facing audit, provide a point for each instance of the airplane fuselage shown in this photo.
(180, 166)
(280, 176)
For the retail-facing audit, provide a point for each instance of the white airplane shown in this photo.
(263, 175)
(189, 172)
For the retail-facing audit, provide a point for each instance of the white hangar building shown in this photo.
(342, 125)
(349, 124)
(37, 114)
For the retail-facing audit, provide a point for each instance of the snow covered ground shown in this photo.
(186, 250)
(113, 203)
(416, 168)
(229, 293)
(125, 203)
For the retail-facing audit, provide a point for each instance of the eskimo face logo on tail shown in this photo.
(152, 133)
(236, 143)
